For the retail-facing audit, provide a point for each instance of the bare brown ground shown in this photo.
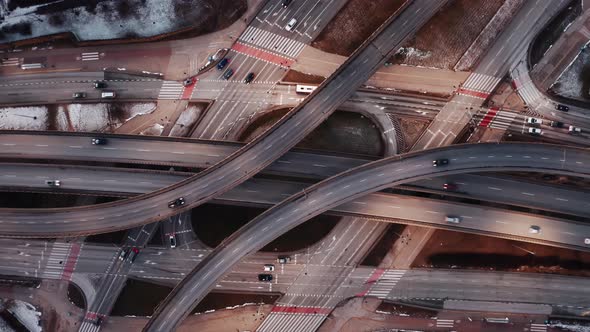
(353, 24)
(447, 249)
(451, 31)
(294, 76)
(412, 129)
(240, 319)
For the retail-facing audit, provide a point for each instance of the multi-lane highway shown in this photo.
(358, 182)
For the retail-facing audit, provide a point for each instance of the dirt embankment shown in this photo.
(353, 24)
(447, 249)
(445, 38)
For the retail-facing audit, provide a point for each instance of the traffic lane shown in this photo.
(529, 20)
(372, 177)
(503, 287)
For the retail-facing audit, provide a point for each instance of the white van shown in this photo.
(107, 94)
(453, 220)
(291, 24)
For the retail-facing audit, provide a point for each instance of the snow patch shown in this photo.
(186, 121)
(155, 130)
(410, 52)
(570, 327)
(23, 118)
(27, 314)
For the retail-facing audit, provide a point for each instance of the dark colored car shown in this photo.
(222, 63)
(249, 78)
(176, 203)
(286, 3)
(265, 277)
(440, 162)
(98, 321)
(99, 141)
(134, 254)
(556, 124)
(79, 95)
(188, 81)
(449, 186)
(562, 108)
(228, 73)
(100, 85)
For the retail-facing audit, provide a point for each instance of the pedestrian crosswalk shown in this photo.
(527, 91)
(171, 90)
(272, 42)
(9, 62)
(383, 286)
(494, 118)
(88, 327)
(56, 261)
(538, 327)
(291, 322)
(481, 83)
(90, 56)
(445, 323)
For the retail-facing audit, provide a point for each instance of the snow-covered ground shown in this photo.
(573, 328)
(29, 118)
(155, 130)
(109, 19)
(570, 83)
(186, 120)
(27, 314)
(73, 117)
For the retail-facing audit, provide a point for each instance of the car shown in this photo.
(249, 78)
(53, 183)
(563, 108)
(587, 240)
(453, 220)
(269, 267)
(449, 186)
(265, 277)
(98, 321)
(100, 84)
(172, 241)
(222, 63)
(283, 259)
(79, 95)
(188, 81)
(534, 131)
(123, 254)
(134, 253)
(99, 141)
(556, 124)
(228, 73)
(291, 24)
(574, 130)
(107, 94)
(534, 229)
(286, 3)
(176, 203)
(532, 120)
(440, 162)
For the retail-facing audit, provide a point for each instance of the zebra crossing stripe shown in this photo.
(262, 54)
(538, 327)
(490, 115)
(171, 90)
(292, 322)
(10, 62)
(271, 41)
(55, 262)
(445, 323)
(90, 56)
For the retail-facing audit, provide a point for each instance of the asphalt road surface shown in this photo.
(359, 182)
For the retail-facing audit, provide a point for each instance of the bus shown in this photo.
(504, 320)
(307, 89)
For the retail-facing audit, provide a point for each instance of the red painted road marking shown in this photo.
(302, 310)
(372, 279)
(263, 55)
(188, 90)
(71, 261)
(490, 115)
(472, 93)
(515, 84)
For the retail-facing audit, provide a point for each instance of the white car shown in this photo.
(454, 220)
(53, 183)
(291, 24)
(574, 130)
(172, 241)
(532, 120)
(535, 229)
(587, 240)
(534, 131)
(269, 267)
